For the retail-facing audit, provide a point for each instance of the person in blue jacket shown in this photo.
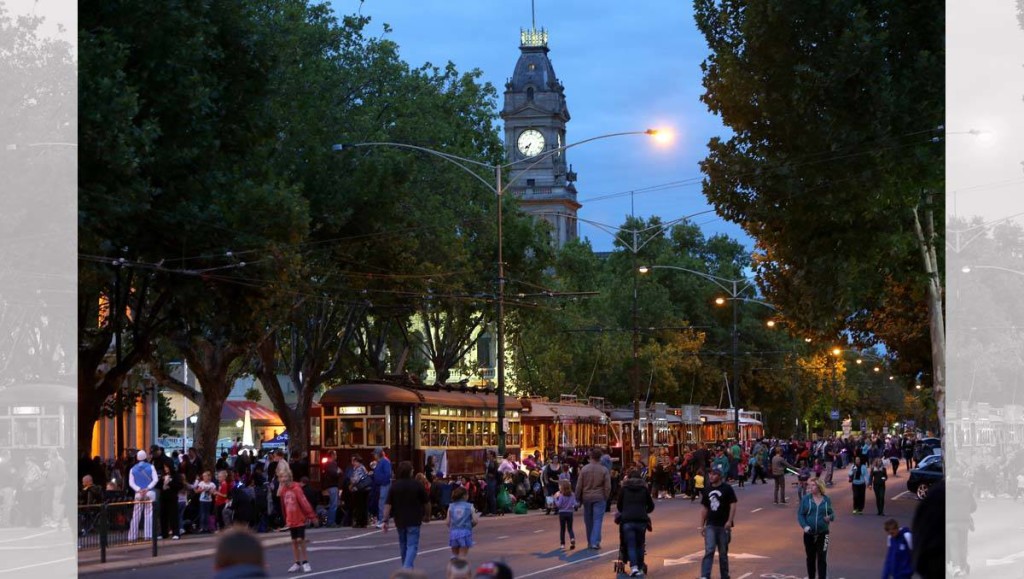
(898, 560)
(814, 515)
(381, 483)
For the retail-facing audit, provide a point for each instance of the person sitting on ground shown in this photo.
(239, 555)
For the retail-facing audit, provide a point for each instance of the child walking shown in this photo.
(565, 502)
(461, 520)
(698, 484)
(297, 511)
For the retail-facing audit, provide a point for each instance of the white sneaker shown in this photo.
(295, 568)
(175, 538)
(306, 567)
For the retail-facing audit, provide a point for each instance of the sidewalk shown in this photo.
(188, 547)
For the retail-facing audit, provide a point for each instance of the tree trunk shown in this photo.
(207, 429)
(936, 321)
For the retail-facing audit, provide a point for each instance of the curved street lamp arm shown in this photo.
(719, 281)
(456, 160)
(968, 268)
(759, 302)
(536, 160)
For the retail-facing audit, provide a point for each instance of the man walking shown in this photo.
(406, 500)
(142, 479)
(381, 480)
(716, 522)
(779, 465)
(593, 488)
(332, 477)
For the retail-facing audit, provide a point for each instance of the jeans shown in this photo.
(816, 547)
(332, 506)
(858, 496)
(383, 500)
(593, 516)
(492, 496)
(634, 534)
(829, 469)
(408, 545)
(565, 522)
(205, 512)
(715, 538)
(879, 497)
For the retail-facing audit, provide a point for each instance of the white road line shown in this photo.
(503, 537)
(351, 547)
(745, 575)
(388, 560)
(538, 531)
(347, 538)
(37, 565)
(757, 509)
(29, 536)
(549, 569)
(904, 493)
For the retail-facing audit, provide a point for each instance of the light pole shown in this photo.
(498, 188)
(732, 287)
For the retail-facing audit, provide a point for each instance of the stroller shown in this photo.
(620, 563)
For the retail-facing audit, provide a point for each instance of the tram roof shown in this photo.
(376, 393)
(38, 394)
(544, 409)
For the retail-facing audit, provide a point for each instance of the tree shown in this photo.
(167, 419)
(831, 166)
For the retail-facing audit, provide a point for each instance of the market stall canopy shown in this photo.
(234, 410)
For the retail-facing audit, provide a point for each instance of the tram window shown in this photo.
(352, 431)
(26, 431)
(424, 410)
(435, 411)
(460, 434)
(378, 410)
(330, 432)
(51, 431)
(375, 432)
(314, 430)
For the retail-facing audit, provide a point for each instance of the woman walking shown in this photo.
(878, 478)
(814, 515)
(565, 504)
(859, 481)
(634, 505)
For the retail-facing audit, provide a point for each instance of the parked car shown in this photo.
(927, 447)
(923, 477)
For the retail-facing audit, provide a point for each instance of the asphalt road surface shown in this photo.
(766, 543)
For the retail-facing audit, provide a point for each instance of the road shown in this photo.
(994, 549)
(766, 543)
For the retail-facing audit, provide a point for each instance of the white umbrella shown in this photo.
(247, 430)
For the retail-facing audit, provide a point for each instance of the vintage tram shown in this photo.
(566, 426)
(410, 421)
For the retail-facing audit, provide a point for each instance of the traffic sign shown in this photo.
(834, 415)
(863, 425)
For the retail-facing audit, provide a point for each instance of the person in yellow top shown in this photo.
(698, 484)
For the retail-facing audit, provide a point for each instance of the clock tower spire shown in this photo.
(535, 116)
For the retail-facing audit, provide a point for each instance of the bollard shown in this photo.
(103, 533)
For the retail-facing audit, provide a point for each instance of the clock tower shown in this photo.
(535, 115)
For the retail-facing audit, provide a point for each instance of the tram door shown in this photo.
(402, 434)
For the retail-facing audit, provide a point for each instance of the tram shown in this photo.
(565, 426)
(38, 417)
(410, 421)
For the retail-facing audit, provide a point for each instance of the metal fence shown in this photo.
(110, 525)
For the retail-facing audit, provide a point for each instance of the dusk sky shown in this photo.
(625, 66)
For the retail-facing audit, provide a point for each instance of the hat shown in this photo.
(717, 468)
(141, 455)
(493, 570)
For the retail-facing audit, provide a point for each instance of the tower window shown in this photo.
(531, 182)
(531, 66)
(529, 94)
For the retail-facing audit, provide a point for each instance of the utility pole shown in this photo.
(736, 359)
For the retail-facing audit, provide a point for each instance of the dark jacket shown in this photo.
(634, 502)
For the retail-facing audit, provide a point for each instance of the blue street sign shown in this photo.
(834, 415)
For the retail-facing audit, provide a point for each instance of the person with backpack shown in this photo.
(814, 515)
(859, 483)
(898, 559)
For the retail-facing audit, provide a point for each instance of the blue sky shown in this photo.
(625, 66)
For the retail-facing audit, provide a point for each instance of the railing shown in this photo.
(109, 525)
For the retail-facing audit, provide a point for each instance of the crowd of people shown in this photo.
(273, 493)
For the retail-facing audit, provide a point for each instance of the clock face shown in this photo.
(530, 142)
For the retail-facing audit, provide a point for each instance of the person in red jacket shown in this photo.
(297, 511)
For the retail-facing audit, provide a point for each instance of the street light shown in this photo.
(732, 287)
(498, 188)
(193, 419)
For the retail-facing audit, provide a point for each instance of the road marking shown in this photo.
(745, 575)
(1008, 560)
(388, 560)
(684, 560)
(28, 537)
(351, 548)
(538, 531)
(591, 558)
(503, 537)
(904, 493)
(757, 509)
(348, 538)
(41, 564)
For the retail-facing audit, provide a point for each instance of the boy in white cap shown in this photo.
(142, 478)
